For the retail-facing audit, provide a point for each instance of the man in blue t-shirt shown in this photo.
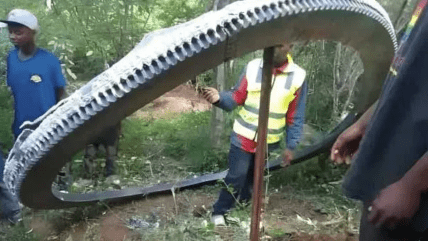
(389, 146)
(34, 75)
(35, 78)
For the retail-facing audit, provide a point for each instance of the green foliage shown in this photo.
(6, 117)
(5, 46)
(310, 181)
(183, 138)
(6, 101)
(35, 6)
(87, 35)
(317, 59)
(307, 174)
(200, 155)
(172, 12)
(19, 233)
(141, 136)
(393, 8)
(205, 79)
(277, 233)
(99, 32)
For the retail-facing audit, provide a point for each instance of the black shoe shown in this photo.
(109, 168)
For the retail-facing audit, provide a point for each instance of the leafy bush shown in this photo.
(6, 117)
(200, 154)
(6, 109)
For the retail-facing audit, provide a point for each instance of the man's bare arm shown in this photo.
(399, 202)
(346, 145)
(60, 94)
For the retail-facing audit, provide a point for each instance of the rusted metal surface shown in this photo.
(260, 157)
(167, 58)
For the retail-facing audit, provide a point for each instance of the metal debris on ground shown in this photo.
(139, 223)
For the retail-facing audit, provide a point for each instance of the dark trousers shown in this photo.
(239, 177)
(368, 232)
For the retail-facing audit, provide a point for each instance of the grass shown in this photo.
(308, 180)
(176, 138)
(162, 150)
(6, 101)
(19, 233)
(6, 117)
(184, 138)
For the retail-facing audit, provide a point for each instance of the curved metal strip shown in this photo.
(166, 58)
(130, 193)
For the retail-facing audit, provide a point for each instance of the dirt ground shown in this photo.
(293, 217)
(184, 98)
(111, 225)
(281, 214)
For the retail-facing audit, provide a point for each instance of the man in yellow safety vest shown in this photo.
(286, 114)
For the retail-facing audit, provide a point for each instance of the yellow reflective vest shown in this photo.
(284, 87)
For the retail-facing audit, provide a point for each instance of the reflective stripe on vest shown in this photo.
(284, 87)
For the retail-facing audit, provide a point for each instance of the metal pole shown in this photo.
(261, 142)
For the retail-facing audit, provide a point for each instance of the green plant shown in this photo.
(6, 101)
(19, 233)
(183, 138)
(277, 232)
(200, 155)
(6, 117)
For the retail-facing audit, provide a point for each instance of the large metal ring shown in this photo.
(167, 58)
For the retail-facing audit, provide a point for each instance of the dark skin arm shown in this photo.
(287, 156)
(399, 202)
(347, 144)
(60, 94)
(211, 95)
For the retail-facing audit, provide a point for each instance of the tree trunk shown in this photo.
(346, 71)
(336, 80)
(220, 74)
(356, 69)
(217, 118)
(400, 15)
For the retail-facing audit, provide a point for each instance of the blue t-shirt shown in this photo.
(33, 83)
(397, 135)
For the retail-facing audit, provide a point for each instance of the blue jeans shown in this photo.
(240, 177)
(9, 205)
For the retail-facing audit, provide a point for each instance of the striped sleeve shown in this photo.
(296, 117)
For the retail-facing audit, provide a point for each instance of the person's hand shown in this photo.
(346, 145)
(287, 156)
(396, 204)
(211, 95)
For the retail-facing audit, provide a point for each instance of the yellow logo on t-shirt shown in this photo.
(36, 78)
